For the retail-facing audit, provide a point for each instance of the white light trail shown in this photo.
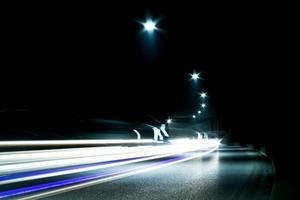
(122, 153)
(71, 142)
(157, 134)
(119, 176)
(189, 146)
(137, 134)
(39, 155)
(163, 130)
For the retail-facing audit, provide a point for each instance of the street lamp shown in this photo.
(203, 105)
(199, 111)
(203, 95)
(194, 116)
(195, 76)
(149, 25)
(169, 121)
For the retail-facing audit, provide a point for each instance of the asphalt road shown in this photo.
(229, 173)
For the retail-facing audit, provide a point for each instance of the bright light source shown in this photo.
(195, 76)
(199, 111)
(194, 116)
(70, 142)
(203, 95)
(169, 121)
(149, 25)
(137, 134)
(203, 105)
(194, 148)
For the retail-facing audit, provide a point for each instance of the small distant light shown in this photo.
(194, 116)
(169, 121)
(203, 105)
(203, 95)
(199, 111)
(195, 76)
(149, 25)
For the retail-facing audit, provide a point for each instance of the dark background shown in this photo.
(60, 61)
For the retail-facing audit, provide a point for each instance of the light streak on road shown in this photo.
(71, 142)
(88, 180)
(18, 177)
(137, 134)
(76, 169)
(121, 153)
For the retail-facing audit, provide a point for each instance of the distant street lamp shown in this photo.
(199, 111)
(194, 116)
(169, 121)
(150, 25)
(203, 105)
(195, 76)
(203, 95)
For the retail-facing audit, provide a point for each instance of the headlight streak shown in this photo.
(17, 177)
(71, 142)
(30, 166)
(85, 181)
(40, 155)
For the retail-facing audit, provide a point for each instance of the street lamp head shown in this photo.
(194, 116)
(149, 25)
(195, 76)
(203, 105)
(199, 111)
(203, 95)
(169, 121)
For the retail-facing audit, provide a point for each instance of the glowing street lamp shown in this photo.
(203, 105)
(203, 95)
(195, 76)
(169, 121)
(199, 111)
(149, 25)
(194, 116)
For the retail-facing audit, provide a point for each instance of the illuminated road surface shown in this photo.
(230, 173)
(201, 173)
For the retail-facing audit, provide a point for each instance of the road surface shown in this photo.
(230, 172)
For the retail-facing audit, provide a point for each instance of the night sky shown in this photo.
(80, 59)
